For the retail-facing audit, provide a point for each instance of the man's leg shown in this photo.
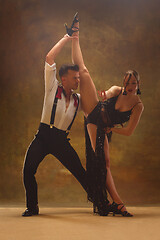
(35, 154)
(66, 154)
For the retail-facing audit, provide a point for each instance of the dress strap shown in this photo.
(54, 109)
(120, 92)
(135, 105)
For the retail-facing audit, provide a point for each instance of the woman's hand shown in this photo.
(107, 130)
(102, 95)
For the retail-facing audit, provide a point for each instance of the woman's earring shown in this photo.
(124, 92)
(138, 91)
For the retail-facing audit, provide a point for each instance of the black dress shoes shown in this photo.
(30, 212)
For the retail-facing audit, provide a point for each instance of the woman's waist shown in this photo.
(94, 115)
(99, 116)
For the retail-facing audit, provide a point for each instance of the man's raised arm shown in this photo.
(52, 54)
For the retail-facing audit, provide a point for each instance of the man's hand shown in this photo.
(67, 37)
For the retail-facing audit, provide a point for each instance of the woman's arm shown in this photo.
(133, 122)
(111, 92)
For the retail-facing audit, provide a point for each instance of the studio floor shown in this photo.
(79, 224)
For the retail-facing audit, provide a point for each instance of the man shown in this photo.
(59, 111)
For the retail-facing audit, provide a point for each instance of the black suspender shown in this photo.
(69, 127)
(54, 111)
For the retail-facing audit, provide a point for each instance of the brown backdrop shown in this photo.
(115, 36)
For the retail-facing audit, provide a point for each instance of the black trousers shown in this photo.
(49, 141)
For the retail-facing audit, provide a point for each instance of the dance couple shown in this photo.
(61, 104)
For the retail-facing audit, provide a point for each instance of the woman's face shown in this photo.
(132, 85)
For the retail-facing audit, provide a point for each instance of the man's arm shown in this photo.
(50, 58)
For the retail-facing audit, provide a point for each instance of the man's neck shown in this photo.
(68, 92)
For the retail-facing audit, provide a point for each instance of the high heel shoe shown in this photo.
(70, 30)
(116, 210)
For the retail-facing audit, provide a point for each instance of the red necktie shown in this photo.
(75, 100)
(59, 96)
(60, 90)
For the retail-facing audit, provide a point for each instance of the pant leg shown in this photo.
(35, 154)
(66, 154)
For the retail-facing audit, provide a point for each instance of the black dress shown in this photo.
(103, 115)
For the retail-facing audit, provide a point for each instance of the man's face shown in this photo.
(72, 79)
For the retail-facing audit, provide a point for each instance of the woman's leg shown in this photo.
(89, 101)
(109, 180)
(92, 130)
(88, 92)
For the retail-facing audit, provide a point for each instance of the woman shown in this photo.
(120, 105)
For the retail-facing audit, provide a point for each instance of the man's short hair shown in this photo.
(65, 67)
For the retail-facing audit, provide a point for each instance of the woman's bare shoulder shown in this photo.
(138, 103)
(138, 99)
(115, 90)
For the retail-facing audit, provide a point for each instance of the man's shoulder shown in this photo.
(77, 95)
(50, 67)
